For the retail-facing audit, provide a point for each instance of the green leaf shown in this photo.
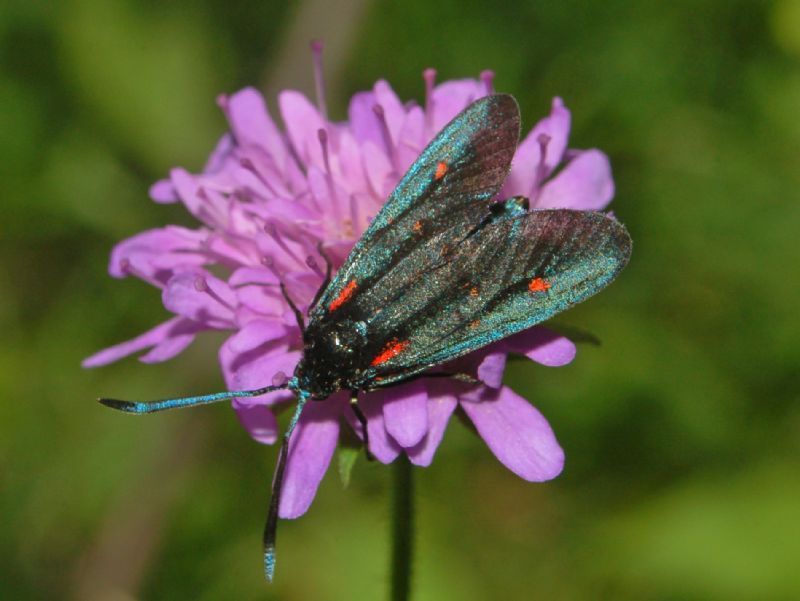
(347, 456)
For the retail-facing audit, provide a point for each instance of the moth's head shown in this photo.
(331, 357)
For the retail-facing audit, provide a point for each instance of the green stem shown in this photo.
(402, 529)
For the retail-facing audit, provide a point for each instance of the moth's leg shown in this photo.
(297, 314)
(362, 419)
(271, 528)
(326, 281)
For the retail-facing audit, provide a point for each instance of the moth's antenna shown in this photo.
(140, 408)
(271, 528)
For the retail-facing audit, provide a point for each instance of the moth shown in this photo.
(444, 269)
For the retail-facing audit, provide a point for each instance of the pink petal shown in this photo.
(255, 333)
(257, 289)
(155, 254)
(303, 123)
(492, 368)
(584, 184)
(525, 168)
(405, 412)
(264, 300)
(441, 404)
(378, 168)
(167, 349)
(256, 369)
(411, 140)
(189, 190)
(382, 446)
(348, 168)
(258, 421)
(163, 192)
(252, 125)
(231, 251)
(285, 252)
(310, 450)
(363, 121)
(452, 97)
(221, 154)
(175, 327)
(252, 370)
(253, 275)
(393, 110)
(213, 305)
(319, 185)
(516, 433)
(286, 212)
(543, 346)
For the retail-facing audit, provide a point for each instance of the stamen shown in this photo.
(242, 195)
(279, 379)
(308, 196)
(314, 266)
(487, 77)
(126, 267)
(544, 140)
(541, 168)
(319, 78)
(269, 263)
(213, 211)
(201, 285)
(250, 166)
(323, 142)
(387, 136)
(272, 231)
(354, 214)
(429, 75)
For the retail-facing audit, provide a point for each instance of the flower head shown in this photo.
(269, 200)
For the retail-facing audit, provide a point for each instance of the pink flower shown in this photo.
(267, 199)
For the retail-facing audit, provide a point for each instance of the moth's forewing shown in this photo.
(442, 270)
(446, 189)
(507, 276)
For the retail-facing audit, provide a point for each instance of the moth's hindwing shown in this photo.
(508, 275)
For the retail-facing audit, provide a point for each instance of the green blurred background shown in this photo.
(682, 430)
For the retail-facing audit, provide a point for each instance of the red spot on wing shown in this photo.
(538, 285)
(474, 292)
(391, 350)
(344, 296)
(417, 227)
(474, 324)
(441, 169)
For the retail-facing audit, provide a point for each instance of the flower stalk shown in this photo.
(402, 528)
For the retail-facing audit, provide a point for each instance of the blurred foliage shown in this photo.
(682, 430)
